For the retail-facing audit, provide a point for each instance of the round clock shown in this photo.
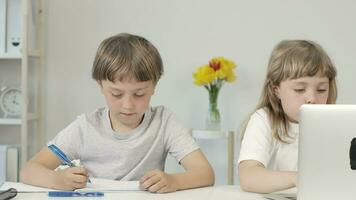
(10, 101)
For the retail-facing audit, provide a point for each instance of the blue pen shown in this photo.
(74, 194)
(62, 156)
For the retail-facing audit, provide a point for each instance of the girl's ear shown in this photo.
(275, 90)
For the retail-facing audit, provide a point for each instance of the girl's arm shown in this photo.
(254, 177)
(39, 171)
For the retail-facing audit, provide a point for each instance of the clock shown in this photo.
(10, 101)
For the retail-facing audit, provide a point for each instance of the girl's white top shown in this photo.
(258, 144)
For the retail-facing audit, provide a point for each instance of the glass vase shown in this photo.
(213, 117)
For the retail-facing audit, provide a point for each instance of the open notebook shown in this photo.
(102, 185)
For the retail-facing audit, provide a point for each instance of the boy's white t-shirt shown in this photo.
(125, 156)
(258, 144)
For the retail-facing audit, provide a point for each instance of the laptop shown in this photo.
(324, 169)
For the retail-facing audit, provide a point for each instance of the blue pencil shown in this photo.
(62, 156)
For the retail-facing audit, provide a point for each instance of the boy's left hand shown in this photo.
(158, 181)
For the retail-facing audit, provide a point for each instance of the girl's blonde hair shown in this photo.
(292, 59)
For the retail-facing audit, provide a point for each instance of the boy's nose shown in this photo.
(127, 103)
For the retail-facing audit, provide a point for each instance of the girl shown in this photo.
(299, 72)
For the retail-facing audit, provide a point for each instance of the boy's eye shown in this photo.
(116, 94)
(139, 94)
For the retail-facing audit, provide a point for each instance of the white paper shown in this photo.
(98, 184)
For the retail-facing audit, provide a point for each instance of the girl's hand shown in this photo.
(72, 178)
(158, 181)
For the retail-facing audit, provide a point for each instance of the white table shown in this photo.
(207, 193)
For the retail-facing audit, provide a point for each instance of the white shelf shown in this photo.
(10, 56)
(10, 121)
(31, 53)
(30, 21)
(17, 121)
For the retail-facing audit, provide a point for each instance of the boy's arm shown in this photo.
(198, 173)
(254, 177)
(39, 171)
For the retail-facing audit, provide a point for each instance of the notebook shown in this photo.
(324, 170)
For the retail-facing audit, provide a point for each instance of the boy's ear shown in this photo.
(98, 82)
(100, 86)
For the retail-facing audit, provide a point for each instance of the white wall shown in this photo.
(188, 33)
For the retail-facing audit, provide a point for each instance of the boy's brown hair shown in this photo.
(126, 56)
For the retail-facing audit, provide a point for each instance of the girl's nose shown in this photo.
(311, 99)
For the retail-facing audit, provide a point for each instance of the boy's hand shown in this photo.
(72, 178)
(158, 181)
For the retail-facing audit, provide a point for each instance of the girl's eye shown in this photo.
(322, 90)
(299, 90)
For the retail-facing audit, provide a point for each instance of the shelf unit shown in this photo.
(30, 61)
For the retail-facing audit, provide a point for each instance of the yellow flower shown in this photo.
(219, 69)
(204, 75)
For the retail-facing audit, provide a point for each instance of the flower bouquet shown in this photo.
(212, 76)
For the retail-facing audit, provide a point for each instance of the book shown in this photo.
(2, 164)
(9, 163)
(3, 26)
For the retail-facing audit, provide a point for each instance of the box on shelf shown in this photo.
(10, 27)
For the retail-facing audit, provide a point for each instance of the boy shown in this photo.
(128, 140)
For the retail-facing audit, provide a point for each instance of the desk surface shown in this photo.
(218, 192)
(206, 193)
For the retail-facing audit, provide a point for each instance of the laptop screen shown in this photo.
(325, 137)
